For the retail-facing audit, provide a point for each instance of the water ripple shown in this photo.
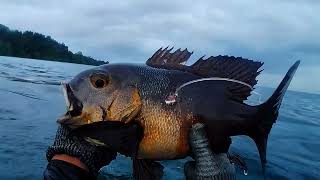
(23, 94)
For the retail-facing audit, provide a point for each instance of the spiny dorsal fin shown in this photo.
(165, 59)
(215, 66)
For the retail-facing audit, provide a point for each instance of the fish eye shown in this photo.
(99, 83)
(99, 80)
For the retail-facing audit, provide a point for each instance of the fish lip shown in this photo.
(74, 105)
(67, 120)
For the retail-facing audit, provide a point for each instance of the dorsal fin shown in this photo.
(165, 59)
(215, 66)
(233, 68)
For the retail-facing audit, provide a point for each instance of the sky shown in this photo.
(277, 32)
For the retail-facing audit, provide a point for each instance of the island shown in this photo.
(34, 45)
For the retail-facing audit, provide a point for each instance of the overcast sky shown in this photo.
(277, 32)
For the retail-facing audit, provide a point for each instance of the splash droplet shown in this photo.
(245, 172)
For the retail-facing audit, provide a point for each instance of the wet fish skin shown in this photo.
(137, 93)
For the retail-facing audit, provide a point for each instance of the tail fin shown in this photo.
(268, 113)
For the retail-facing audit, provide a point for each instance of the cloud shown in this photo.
(275, 32)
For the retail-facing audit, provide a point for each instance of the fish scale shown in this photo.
(161, 123)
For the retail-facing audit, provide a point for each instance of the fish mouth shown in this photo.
(74, 106)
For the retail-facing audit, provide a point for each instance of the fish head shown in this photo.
(106, 93)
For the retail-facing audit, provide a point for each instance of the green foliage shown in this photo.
(37, 46)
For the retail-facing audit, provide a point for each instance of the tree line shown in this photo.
(34, 45)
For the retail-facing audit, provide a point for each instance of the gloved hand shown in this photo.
(207, 165)
(94, 157)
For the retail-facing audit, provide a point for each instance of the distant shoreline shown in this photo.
(32, 45)
(28, 59)
(58, 61)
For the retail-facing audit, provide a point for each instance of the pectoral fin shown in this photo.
(147, 170)
(125, 106)
(118, 136)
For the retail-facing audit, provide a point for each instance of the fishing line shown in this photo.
(171, 99)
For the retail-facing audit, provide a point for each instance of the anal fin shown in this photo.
(147, 170)
(238, 161)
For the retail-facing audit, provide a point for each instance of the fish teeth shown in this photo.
(65, 95)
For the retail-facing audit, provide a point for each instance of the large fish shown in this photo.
(165, 97)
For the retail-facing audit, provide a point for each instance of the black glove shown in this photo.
(94, 157)
(206, 165)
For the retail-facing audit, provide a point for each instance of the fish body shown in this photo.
(166, 126)
(133, 93)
